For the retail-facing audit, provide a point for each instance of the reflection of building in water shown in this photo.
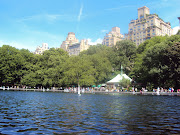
(147, 26)
(73, 46)
(40, 50)
(112, 37)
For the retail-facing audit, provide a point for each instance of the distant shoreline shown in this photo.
(95, 92)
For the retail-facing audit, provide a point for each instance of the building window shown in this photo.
(141, 16)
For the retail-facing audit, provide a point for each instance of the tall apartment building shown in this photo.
(112, 37)
(147, 26)
(73, 46)
(40, 50)
(70, 40)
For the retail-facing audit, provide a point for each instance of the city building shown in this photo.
(112, 37)
(73, 46)
(70, 40)
(147, 26)
(40, 50)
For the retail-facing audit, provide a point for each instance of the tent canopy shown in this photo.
(118, 78)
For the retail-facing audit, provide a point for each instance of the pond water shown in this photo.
(59, 113)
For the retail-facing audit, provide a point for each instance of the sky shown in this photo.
(29, 23)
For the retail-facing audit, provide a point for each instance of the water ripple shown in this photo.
(65, 113)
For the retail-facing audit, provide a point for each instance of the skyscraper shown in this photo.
(73, 46)
(40, 50)
(147, 26)
(112, 37)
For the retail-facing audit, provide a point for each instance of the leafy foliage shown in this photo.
(153, 63)
(78, 71)
(124, 82)
(158, 62)
(124, 55)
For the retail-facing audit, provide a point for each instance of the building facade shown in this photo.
(147, 26)
(112, 37)
(73, 46)
(70, 40)
(40, 50)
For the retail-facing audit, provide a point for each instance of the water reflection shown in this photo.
(48, 113)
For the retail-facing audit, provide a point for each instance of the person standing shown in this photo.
(158, 91)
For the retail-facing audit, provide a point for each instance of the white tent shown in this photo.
(118, 78)
(115, 81)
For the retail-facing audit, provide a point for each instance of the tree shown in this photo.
(96, 49)
(102, 67)
(124, 82)
(79, 71)
(124, 54)
(139, 70)
(158, 64)
(11, 65)
(46, 69)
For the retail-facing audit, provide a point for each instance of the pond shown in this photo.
(57, 113)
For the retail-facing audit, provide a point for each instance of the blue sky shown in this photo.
(29, 23)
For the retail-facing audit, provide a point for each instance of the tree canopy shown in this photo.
(158, 63)
(155, 63)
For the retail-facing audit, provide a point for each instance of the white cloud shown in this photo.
(103, 31)
(120, 7)
(33, 39)
(17, 45)
(80, 13)
(43, 17)
(98, 41)
(175, 30)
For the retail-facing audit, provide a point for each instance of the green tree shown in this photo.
(139, 70)
(79, 71)
(11, 65)
(124, 82)
(102, 66)
(124, 54)
(158, 64)
(46, 69)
